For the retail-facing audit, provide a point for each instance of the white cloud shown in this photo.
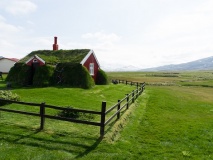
(30, 23)
(43, 41)
(206, 7)
(8, 28)
(181, 25)
(2, 18)
(4, 44)
(17, 7)
(101, 36)
(149, 33)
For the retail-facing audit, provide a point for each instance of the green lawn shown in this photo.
(61, 140)
(168, 123)
(171, 120)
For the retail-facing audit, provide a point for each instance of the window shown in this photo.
(91, 68)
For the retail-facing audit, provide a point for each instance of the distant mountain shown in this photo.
(201, 64)
(1, 57)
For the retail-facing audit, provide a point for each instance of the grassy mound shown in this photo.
(74, 75)
(102, 78)
(62, 67)
(19, 74)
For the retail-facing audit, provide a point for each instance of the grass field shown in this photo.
(171, 120)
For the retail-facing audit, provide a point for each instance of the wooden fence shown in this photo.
(137, 84)
(119, 106)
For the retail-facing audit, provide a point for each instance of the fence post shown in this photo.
(133, 98)
(138, 92)
(127, 99)
(141, 89)
(119, 106)
(103, 110)
(126, 82)
(42, 114)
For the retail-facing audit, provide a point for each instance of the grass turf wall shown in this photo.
(64, 74)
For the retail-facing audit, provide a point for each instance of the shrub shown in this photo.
(19, 74)
(75, 115)
(8, 95)
(43, 75)
(70, 74)
(86, 79)
(102, 78)
(74, 75)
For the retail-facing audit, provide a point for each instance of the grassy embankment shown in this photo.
(171, 120)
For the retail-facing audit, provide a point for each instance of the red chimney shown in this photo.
(55, 45)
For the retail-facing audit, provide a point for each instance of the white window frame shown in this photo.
(91, 68)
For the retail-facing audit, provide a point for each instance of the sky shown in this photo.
(139, 33)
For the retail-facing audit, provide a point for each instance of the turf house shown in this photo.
(75, 68)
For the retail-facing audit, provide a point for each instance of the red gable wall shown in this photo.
(38, 61)
(92, 59)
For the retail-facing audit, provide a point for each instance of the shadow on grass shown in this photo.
(78, 144)
(93, 147)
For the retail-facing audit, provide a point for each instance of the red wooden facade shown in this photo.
(35, 60)
(91, 63)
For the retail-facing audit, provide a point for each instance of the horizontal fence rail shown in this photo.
(123, 103)
(42, 114)
(126, 101)
(119, 106)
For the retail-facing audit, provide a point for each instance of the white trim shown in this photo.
(87, 56)
(37, 57)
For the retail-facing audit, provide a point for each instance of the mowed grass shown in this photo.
(171, 120)
(168, 123)
(19, 134)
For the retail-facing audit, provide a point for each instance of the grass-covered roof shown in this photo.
(58, 56)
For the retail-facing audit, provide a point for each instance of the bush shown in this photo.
(86, 79)
(43, 75)
(75, 115)
(74, 75)
(19, 74)
(8, 95)
(66, 74)
(102, 78)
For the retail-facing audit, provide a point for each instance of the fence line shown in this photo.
(120, 105)
(130, 98)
